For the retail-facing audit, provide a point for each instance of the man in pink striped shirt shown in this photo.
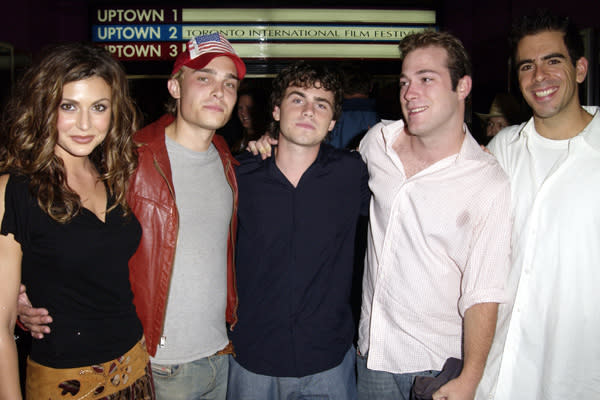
(439, 237)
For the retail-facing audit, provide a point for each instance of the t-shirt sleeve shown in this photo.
(16, 214)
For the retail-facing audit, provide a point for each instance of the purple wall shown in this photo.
(29, 25)
(484, 27)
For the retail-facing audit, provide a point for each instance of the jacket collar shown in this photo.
(153, 136)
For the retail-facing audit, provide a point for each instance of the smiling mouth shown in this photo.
(416, 110)
(82, 139)
(544, 93)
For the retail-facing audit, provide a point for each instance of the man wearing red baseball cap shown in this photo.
(184, 193)
(202, 49)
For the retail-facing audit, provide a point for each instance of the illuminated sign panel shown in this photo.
(159, 33)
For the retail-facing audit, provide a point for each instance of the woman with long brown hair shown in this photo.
(66, 155)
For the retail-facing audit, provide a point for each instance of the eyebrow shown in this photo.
(298, 93)
(77, 101)
(544, 58)
(215, 72)
(421, 72)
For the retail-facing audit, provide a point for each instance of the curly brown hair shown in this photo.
(29, 137)
(305, 75)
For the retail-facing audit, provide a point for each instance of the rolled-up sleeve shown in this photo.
(486, 272)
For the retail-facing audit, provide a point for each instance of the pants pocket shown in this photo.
(165, 371)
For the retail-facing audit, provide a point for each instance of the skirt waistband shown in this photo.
(89, 382)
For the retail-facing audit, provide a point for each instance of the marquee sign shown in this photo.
(161, 33)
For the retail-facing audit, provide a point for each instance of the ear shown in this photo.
(463, 88)
(331, 125)
(174, 88)
(276, 113)
(581, 69)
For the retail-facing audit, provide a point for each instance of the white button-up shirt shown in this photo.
(439, 242)
(549, 346)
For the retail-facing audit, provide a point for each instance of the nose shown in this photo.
(408, 91)
(539, 73)
(308, 109)
(83, 120)
(218, 89)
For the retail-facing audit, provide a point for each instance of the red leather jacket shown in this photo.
(152, 198)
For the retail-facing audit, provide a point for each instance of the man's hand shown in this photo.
(34, 319)
(456, 389)
(262, 146)
(479, 326)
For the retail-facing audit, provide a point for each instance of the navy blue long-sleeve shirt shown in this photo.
(294, 262)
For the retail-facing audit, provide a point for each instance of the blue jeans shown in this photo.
(338, 383)
(203, 379)
(380, 385)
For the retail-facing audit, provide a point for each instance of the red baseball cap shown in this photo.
(202, 49)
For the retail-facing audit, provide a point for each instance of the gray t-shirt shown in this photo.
(195, 318)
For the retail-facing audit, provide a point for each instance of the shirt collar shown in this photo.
(325, 152)
(590, 134)
(469, 150)
(390, 131)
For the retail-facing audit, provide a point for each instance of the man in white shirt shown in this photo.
(439, 232)
(546, 345)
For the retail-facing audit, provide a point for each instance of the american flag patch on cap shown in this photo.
(202, 49)
(213, 43)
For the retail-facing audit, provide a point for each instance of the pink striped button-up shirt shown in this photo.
(439, 243)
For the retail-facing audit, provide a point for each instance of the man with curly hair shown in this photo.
(297, 222)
